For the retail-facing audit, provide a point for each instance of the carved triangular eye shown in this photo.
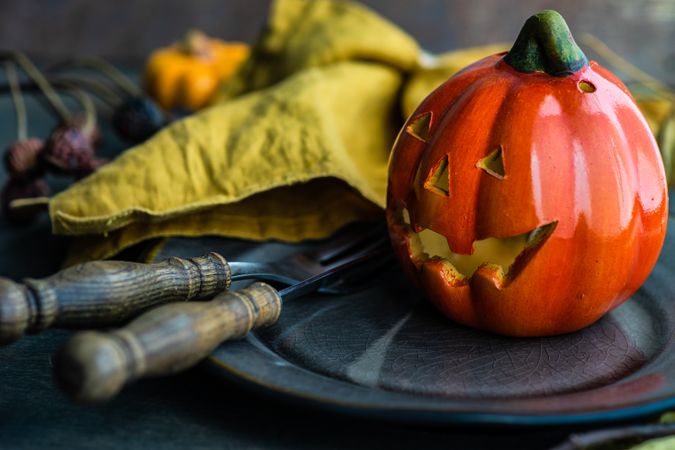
(438, 180)
(493, 164)
(419, 127)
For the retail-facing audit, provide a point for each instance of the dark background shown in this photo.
(127, 30)
(196, 409)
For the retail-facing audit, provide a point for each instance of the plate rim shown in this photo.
(401, 406)
(435, 415)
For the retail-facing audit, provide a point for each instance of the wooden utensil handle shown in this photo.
(94, 366)
(105, 293)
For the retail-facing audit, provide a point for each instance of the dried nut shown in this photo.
(22, 158)
(69, 151)
(138, 118)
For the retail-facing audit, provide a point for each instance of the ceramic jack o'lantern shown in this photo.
(526, 194)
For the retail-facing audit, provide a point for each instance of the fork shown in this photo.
(93, 366)
(104, 293)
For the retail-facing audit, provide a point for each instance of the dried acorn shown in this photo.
(68, 151)
(70, 147)
(17, 189)
(22, 158)
(138, 118)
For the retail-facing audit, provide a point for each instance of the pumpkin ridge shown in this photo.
(499, 136)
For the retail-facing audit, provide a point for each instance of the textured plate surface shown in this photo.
(385, 352)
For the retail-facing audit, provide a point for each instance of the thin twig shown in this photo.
(629, 69)
(104, 67)
(91, 86)
(87, 105)
(39, 79)
(63, 84)
(17, 101)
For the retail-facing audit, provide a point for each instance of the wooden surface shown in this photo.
(126, 30)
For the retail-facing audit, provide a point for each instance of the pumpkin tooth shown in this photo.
(449, 272)
(411, 238)
(491, 273)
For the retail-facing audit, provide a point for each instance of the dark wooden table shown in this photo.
(197, 409)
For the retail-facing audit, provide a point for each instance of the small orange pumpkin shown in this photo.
(187, 74)
(526, 194)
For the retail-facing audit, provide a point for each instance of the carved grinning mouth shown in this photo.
(505, 255)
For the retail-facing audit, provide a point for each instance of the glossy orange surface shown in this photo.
(584, 161)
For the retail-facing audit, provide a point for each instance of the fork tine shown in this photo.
(359, 279)
(346, 242)
(372, 243)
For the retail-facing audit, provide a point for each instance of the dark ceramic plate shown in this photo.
(385, 352)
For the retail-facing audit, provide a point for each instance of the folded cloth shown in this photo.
(302, 34)
(316, 100)
(296, 147)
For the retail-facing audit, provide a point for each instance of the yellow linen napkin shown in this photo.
(302, 129)
(268, 139)
(333, 72)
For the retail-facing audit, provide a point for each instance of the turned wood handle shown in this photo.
(105, 293)
(94, 366)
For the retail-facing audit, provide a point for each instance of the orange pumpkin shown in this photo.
(187, 74)
(526, 194)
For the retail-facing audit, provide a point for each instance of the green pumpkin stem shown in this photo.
(545, 44)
